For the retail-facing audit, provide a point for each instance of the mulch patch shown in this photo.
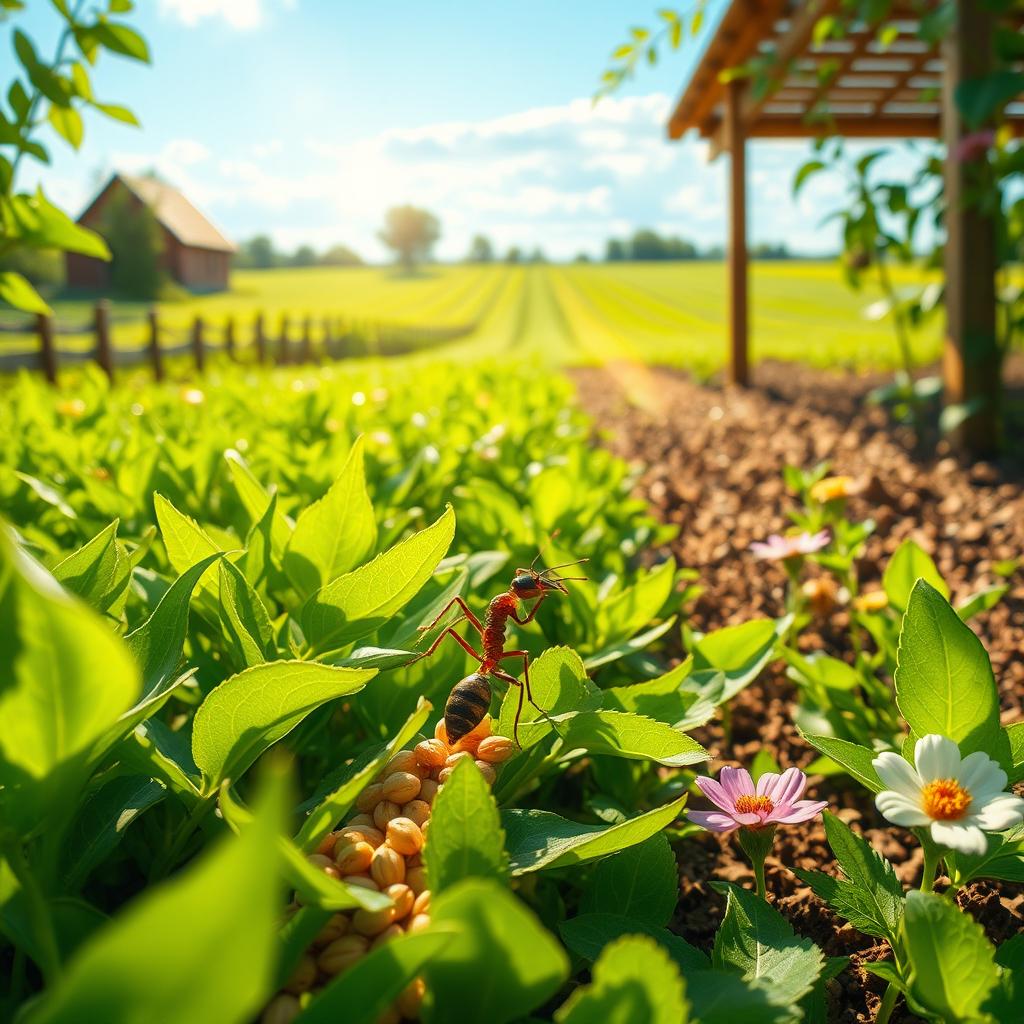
(711, 462)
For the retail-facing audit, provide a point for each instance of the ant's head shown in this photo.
(530, 583)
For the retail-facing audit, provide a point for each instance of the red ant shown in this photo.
(470, 698)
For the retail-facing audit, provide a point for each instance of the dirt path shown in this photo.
(712, 461)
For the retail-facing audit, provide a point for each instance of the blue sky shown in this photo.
(307, 119)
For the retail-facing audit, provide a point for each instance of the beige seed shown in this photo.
(372, 922)
(416, 879)
(302, 977)
(487, 771)
(410, 999)
(401, 787)
(360, 821)
(318, 860)
(391, 932)
(403, 899)
(440, 732)
(415, 860)
(431, 753)
(341, 953)
(326, 845)
(404, 836)
(422, 902)
(417, 811)
(495, 749)
(370, 797)
(454, 759)
(403, 761)
(364, 881)
(367, 834)
(384, 812)
(282, 1009)
(428, 790)
(353, 858)
(387, 867)
(336, 926)
(418, 922)
(443, 776)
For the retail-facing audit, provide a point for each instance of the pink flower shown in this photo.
(777, 547)
(974, 145)
(775, 800)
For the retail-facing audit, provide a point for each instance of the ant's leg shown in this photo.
(526, 676)
(466, 613)
(532, 613)
(518, 684)
(464, 644)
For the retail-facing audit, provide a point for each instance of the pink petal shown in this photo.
(791, 786)
(749, 818)
(715, 793)
(736, 782)
(766, 785)
(802, 810)
(713, 821)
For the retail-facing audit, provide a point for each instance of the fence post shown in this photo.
(47, 349)
(325, 350)
(229, 337)
(306, 352)
(104, 354)
(260, 340)
(156, 357)
(198, 352)
(282, 345)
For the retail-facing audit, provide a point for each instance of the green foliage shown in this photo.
(640, 883)
(410, 233)
(908, 564)
(135, 238)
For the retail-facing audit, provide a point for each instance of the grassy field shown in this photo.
(672, 313)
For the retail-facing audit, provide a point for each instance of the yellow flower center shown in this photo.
(753, 804)
(945, 800)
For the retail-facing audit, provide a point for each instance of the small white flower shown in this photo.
(959, 798)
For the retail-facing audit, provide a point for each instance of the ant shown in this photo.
(470, 698)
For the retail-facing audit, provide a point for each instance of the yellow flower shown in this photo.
(832, 488)
(872, 601)
(192, 396)
(73, 408)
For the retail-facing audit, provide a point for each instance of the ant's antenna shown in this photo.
(564, 565)
(543, 548)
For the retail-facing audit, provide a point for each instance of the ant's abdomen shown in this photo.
(467, 704)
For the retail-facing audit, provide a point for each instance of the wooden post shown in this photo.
(971, 363)
(229, 337)
(104, 353)
(260, 340)
(282, 345)
(47, 349)
(156, 357)
(325, 348)
(306, 351)
(735, 139)
(198, 352)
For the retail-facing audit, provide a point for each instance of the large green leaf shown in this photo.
(740, 652)
(502, 962)
(361, 601)
(187, 543)
(758, 943)
(258, 504)
(852, 757)
(634, 979)
(200, 948)
(944, 681)
(637, 605)
(466, 840)
(952, 964)
(909, 564)
(587, 934)
(641, 882)
(244, 618)
(538, 839)
(66, 679)
(336, 533)
(91, 572)
(252, 710)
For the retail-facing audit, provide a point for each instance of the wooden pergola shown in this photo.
(858, 87)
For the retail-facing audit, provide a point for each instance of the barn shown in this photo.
(195, 253)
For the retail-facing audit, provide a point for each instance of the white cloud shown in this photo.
(237, 14)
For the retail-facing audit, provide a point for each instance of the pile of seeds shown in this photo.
(381, 848)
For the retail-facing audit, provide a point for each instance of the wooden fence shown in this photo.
(296, 340)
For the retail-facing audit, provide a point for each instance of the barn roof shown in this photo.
(175, 213)
(859, 85)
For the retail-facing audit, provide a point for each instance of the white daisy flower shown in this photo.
(960, 799)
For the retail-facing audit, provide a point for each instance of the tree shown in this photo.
(614, 251)
(258, 253)
(514, 255)
(304, 256)
(537, 256)
(136, 245)
(340, 256)
(410, 233)
(480, 250)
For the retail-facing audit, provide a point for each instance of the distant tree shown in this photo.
(258, 253)
(614, 251)
(136, 245)
(771, 251)
(514, 255)
(480, 250)
(340, 256)
(582, 257)
(537, 256)
(304, 256)
(646, 245)
(410, 233)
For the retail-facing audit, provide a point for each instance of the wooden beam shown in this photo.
(739, 363)
(971, 365)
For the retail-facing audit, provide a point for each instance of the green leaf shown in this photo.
(982, 601)
(362, 993)
(336, 533)
(330, 810)
(641, 883)
(158, 642)
(634, 979)
(1015, 737)
(1003, 859)
(91, 572)
(624, 648)
(494, 928)
(944, 681)
(166, 957)
(252, 710)
(16, 291)
(758, 943)
(853, 758)
(979, 99)
(118, 113)
(660, 698)
(588, 934)
(952, 964)
(67, 122)
(741, 652)
(466, 840)
(40, 224)
(244, 619)
(257, 502)
(872, 899)
(538, 839)
(806, 171)
(908, 564)
(637, 605)
(187, 543)
(67, 677)
(121, 39)
(361, 601)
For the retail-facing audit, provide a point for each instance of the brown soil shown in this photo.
(711, 461)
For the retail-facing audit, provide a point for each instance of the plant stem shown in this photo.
(184, 833)
(40, 919)
(762, 887)
(931, 863)
(889, 998)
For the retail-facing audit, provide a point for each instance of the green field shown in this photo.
(672, 313)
